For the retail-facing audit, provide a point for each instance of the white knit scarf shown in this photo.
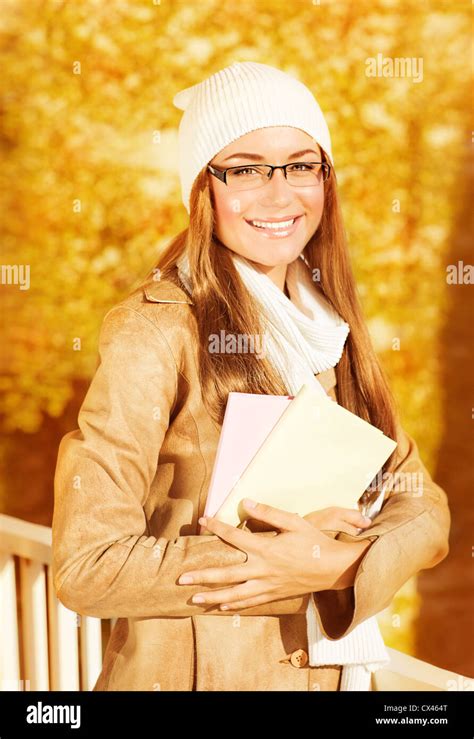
(305, 336)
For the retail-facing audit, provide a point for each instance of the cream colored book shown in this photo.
(317, 455)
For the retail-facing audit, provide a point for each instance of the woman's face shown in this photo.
(277, 200)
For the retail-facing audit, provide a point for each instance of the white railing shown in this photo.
(44, 645)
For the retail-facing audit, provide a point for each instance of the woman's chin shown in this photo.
(275, 253)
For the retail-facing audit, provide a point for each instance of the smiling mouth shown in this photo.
(273, 224)
(278, 228)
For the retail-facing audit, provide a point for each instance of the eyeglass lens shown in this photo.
(303, 174)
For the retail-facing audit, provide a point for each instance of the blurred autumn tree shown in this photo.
(90, 190)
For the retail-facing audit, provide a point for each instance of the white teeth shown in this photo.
(273, 224)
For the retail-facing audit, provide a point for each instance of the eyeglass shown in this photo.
(248, 177)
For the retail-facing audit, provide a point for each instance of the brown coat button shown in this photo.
(299, 658)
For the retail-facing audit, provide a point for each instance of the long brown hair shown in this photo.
(221, 302)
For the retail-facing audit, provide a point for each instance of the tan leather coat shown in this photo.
(130, 485)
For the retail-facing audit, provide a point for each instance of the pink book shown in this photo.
(257, 414)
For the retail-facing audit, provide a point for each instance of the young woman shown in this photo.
(264, 256)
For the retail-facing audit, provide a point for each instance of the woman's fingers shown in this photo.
(356, 518)
(276, 517)
(353, 522)
(347, 528)
(243, 540)
(236, 594)
(212, 575)
(338, 519)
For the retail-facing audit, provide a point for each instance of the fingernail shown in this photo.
(367, 519)
(224, 608)
(249, 503)
(202, 521)
(198, 599)
(185, 580)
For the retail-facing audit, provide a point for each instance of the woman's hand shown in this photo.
(301, 559)
(338, 519)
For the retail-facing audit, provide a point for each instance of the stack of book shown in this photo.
(299, 453)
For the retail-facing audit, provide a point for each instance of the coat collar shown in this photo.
(165, 292)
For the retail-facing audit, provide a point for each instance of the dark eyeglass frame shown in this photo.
(221, 174)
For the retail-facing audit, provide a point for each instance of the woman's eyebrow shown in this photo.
(259, 158)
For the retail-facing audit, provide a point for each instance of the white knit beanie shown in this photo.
(239, 99)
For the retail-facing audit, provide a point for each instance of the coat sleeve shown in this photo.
(411, 533)
(104, 564)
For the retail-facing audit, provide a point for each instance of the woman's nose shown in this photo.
(277, 188)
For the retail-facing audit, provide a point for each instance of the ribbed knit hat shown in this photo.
(234, 101)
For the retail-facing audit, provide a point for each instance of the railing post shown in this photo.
(34, 623)
(91, 651)
(9, 653)
(63, 635)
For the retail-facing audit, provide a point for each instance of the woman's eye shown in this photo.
(245, 170)
(302, 167)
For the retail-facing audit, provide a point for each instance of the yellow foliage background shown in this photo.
(90, 189)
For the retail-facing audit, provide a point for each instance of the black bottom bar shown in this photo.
(79, 714)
